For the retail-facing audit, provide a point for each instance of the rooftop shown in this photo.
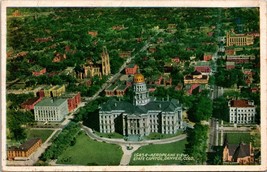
(241, 103)
(165, 106)
(27, 145)
(51, 102)
(122, 87)
(30, 101)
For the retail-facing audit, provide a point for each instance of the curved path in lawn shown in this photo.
(127, 154)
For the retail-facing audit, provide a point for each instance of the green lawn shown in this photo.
(153, 136)
(43, 134)
(156, 154)
(90, 152)
(236, 137)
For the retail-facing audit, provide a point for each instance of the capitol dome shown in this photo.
(139, 78)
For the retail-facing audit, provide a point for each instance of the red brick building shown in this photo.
(203, 69)
(230, 52)
(24, 150)
(30, 103)
(73, 101)
(131, 69)
(121, 90)
(207, 57)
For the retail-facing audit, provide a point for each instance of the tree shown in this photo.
(201, 109)
(197, 143)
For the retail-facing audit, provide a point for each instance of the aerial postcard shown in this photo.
(123, 87)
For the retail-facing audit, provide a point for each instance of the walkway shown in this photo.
(127, 154)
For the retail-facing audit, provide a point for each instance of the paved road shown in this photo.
(127, 154)
(213, 134)
(117, 75)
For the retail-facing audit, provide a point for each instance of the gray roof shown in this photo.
(163, 106)
(51, 102)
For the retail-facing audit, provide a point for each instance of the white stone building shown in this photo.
(50, 109)
(241, 111)
(141, 117)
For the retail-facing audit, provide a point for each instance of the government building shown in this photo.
(143, 116)
(51, 109)
(242, 111)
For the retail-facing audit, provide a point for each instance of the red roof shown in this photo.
(31, 101)
(240, 103)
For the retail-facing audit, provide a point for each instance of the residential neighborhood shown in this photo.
(133, 86)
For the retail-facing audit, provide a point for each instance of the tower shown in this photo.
(141, 95)
(105, 62)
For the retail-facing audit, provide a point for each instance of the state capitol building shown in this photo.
(143, 116)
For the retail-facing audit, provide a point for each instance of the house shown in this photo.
(230, 65)
(203, 67)
(125, 54)
(51, 109)
(131, 69)
(241, 153)
(242, 111)
(116, 90)
(59, 57)
(207, 56)
(152, 49)
(167, 80)
(196, 78)
(37, 70)
(30, 103)
(93, 33)
(111, 90)
(230, 51)
(119, 27)
(73, 99)
(248, 76)
(121, 90)
(24, 150)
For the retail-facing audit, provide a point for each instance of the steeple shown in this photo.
(105, 62)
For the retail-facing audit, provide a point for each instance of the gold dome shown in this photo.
(138, 78)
